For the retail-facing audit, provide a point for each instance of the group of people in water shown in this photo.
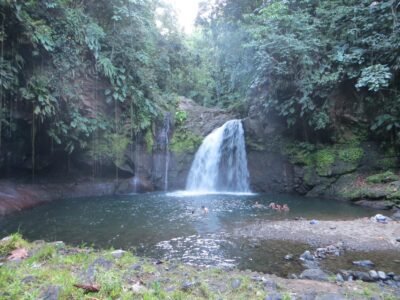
(274, 206)
(278, 207)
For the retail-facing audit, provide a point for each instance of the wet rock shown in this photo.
(236, 283)
(314, 274)
(306, 256)
(373, 274)
(382, 275)
(289, 256)
(339, 278)
(335, 250)
(390, 274)
(396, 278)
(118, 253)
(364, 263)
(274, 296)
(398, 240)
(50, 293)
(310, 264)
(364, 276)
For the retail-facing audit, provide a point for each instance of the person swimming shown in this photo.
(285, 208)
(258, 205)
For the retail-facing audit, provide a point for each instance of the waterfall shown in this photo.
(220, 164)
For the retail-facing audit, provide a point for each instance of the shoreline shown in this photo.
(356, 235)
(58, 271)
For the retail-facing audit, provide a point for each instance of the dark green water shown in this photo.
(173, 226)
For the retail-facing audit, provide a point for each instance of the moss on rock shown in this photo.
(185, 141)
(351, 154)
(324, 160)
(385, 177)
(149, 140)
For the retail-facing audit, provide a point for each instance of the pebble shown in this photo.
(236, 283)
(398, 240)
(118, 253)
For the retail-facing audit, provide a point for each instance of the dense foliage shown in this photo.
(86, 74)
(317, 64)
(92, 75)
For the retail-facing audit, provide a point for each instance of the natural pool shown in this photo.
(173, 226)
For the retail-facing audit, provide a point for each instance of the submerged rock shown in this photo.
(363, 263)
(307, 256)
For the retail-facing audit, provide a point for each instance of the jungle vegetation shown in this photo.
(89, 76)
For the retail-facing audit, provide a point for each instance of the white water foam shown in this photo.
(220, 164)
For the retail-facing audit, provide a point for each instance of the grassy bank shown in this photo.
(57, 271)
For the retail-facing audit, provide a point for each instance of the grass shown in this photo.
(52, 265)
(11, 243)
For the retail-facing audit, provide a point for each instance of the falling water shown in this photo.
(220, 164)
(167, 122)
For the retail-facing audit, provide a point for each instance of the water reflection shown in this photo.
(174, 226)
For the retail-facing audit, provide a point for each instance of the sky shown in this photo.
(187, 12)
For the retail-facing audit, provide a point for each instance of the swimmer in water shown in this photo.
(258, 205)
(205, 209)
(285, 208)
